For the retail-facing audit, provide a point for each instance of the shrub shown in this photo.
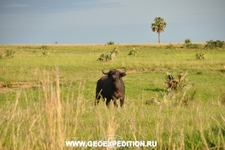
(179, 91)
(192, 46)
(9, 53)
(132, 52)
(115, 50)
(45, 53)
(189, 45)
(108, 55)
(44, 47)
(178, 84)
(187, 41)
(214, 44)
(170, 46)
(104, 57)
(200, 56)
(110, 43)
(183, 97)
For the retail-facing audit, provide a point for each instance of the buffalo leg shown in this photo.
(97, 99)
(121, 102)
(108, 102)
(114, 102)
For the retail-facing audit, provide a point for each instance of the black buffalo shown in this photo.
(111, 87)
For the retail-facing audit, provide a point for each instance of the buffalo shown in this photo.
(111, 87)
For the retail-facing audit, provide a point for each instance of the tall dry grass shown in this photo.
(38, 125)
(46, 123)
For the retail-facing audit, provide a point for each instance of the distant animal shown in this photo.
(111, 87)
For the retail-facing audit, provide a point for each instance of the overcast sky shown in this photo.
(101, 21)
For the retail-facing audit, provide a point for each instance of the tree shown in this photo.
(158, 26)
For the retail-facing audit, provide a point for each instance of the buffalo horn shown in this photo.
(103, 71)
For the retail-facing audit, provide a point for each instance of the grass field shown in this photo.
(47, 97)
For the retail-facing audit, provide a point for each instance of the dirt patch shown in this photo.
(12, 86)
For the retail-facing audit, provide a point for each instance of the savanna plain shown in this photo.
(47, 96)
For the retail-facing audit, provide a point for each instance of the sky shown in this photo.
(101, 21)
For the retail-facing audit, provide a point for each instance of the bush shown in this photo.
(44, 47)
(187, 41)
(110, 43)
(105, 57)
(192, 46)
(132, 52)
(189, 45)
(7, 54)
(214, 44)
(115, 50)
(179, 91)
(173, 84)
(170, 46)
(108, 55)
(200, 56)
(45, 53)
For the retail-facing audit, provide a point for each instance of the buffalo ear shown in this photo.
(122, 74)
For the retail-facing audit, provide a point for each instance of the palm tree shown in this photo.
(158, 26)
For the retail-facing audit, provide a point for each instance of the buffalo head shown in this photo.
(114, 73)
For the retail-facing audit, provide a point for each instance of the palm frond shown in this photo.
(159, 25)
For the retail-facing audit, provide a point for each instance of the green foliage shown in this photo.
(189, 45)
(62, 107)
(43, 47)
(108, 56)
(170, 46)
(9, 53)
(110, 43)
(214, 44)
(105, 57)
(187, 41)
(200, 56)
(192, 46)
(45, 53)
(178, 91)
(209, 136)
(158, 26)
(114, 50)
(133, 52)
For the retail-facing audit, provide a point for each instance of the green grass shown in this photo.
(57, 104)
